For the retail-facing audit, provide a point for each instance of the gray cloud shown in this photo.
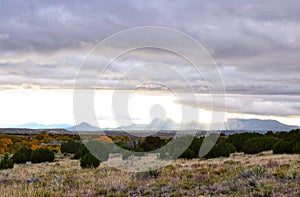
(276, 105)
(255, 44)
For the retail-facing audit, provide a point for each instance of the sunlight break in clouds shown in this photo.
(55, 107)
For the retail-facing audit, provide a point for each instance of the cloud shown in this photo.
(275, 105)
(255, 44)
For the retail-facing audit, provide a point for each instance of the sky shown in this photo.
(255, 46)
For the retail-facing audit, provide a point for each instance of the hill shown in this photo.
(41, 126)
(83, 127)
(257, 125)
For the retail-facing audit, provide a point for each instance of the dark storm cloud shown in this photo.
(256, 44)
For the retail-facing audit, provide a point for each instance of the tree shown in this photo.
(259, 144)
(42, 155)
(6, 162)
(221, 149)
(177, 148)
(70, 147)
(152, 143)
(296, 146)
(238, 139)
(193, 149)
(101, 149)
(82, 150)
(282, 146)
(22, 155)
(269, 133)
(89, 161)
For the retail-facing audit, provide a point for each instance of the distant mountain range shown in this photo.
(155, 124)
(158, 124)
(231, 124)
(41, 126)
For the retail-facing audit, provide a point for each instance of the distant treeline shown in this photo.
(168, 148)
(279, 142)
(249, 143)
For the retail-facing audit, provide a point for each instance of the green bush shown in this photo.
(152, 143)
(6, 162)
(22, 155)
(221, 149)
(70, 147)
(82, 150)
(89, 161)
(282, 146)
(42, 155)
(290, 136)
(295, 140)
(193, 149)
(176, 148)
(238, 139)
(259, 144)
(296, 146)
(189, 154)
(101, 149)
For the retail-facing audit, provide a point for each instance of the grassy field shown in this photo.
(263, 174)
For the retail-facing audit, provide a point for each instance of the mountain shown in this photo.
(41, 126)
(83, 127)
(155, 124)
(159, 124)
(231, 124)
(168, 124)
(257, 125)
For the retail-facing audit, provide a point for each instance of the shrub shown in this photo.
(89, 161)
(6, 162)
(221, 149)
(101, 192)
(70, 147)
(282, 146)
(238, 139)
(189, 154)
(42, 155)
(257, 170)
(152, 143)
(292, 135)
(176, 147)
(193, 149)
(143, 175)
(259, 144)
(101, 149)
(296, 147)
(22, 155)
(126, 155)
(295, 143)
(128, 151)
(82, 150)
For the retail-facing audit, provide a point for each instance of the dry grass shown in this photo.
(239, 175)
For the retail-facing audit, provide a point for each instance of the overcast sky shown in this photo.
(255, 44)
